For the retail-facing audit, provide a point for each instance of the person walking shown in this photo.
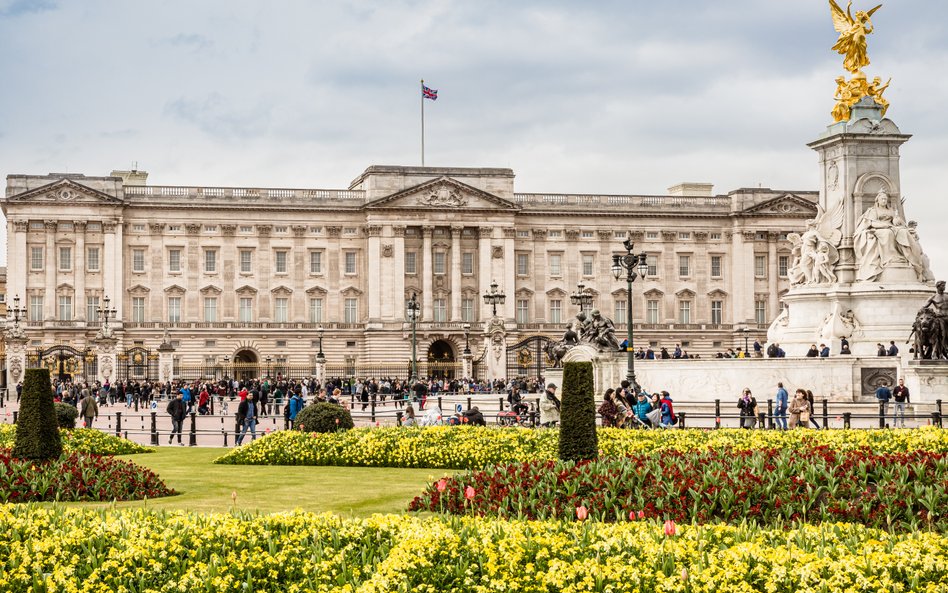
(884, 394)
(247, 410)
(812, 413)
(178, 411)
(799, 409)
(783, 402)
(748, 406)
(88, 409)
(901, 396)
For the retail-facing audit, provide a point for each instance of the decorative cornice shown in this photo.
(299, 230)
(157, 227)
(701, 236)
(399, 230)
(229, 230)
(192, 228)
(264, 230)
(605, 234)
(572, 234)
(334, 231)
(510, 233)
(456, 231)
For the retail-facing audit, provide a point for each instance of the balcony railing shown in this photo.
(243, 193)
(573, 201)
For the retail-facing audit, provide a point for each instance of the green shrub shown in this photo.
(323, 417)
(578, 438)
(66, 415)
(37, 432)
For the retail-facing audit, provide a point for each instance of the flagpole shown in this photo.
(421, 96)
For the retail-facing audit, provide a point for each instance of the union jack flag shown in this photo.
(428, 93)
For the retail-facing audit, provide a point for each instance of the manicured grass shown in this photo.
(206, 487)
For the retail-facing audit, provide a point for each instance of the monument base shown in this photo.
(865, 313)
(927, 380)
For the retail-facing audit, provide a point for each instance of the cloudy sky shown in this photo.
(599, 97)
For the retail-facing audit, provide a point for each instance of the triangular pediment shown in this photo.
(785, 205)
(65, 191)
(443, 193)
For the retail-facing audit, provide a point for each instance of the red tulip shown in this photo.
(641, 515)
(581, 513)
(469, 492)
(337, 421)
(670, 529)
(441, 485)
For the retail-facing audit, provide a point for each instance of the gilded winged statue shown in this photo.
(852, 34)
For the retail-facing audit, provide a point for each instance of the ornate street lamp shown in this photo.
(494, 297)
(320, 357)
(582, 297)
(413, 312)
(629, 263)
(267, 360)
(467, 336)
(106, 313)
(746, 331)
(17, 313)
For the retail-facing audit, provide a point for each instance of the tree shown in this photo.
(37, 429)
(323, 417)
(578, 439)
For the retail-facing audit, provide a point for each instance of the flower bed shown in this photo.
(54, 549)
(82, 440)
(770, 487)
(76, 476)
(469, 447)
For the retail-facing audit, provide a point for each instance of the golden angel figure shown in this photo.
(852, 34)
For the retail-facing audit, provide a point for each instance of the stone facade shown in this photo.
(248, 273)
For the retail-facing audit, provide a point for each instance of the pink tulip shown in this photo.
(337, 421)
(670, 529)
(581, 513)
(469, 492)
(441, 485)
(631, 515)
(641, 514)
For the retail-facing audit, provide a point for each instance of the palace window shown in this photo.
(684, 266)
(651, 311)
(760, 266)
(351, 312)
(783, 264)
(556, 264)
(138, 309)
(523, 264)
(523, 234)
(620, 311)
(556, 311)
(36, 258)
(439, 259)
(138, 260)
(651, 235)
(65, 259)
(586, 234)
(92, 259)
(281, 307)
(174, 309)
(587, 265)
(467, 263)
(683, 236)
(555, 234)
(210, 309)
(65, 308)
(684, 311)
(174, 260)
(315, 310)
(652, 262)
(210, 261)
(92, 308)
(280, 263)
(440, 310)
(523, 311)
(36, 308)
(717, 312)
(350, 262)
(246, 261)
(760, 312)
(716, 266)
(410, 262)
(315, 262)
(245, 311)
(467, 310)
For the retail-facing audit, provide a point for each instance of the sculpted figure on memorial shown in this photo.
(883, 238)
(931, 326)
(815, 253)
(602, 333)
(852, 35)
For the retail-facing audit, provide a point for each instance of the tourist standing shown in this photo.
(884, 394)
(812, 413)
(901, 396)
(549, 407)
(780, 413)
(748, 406)
(247, 410)
(799, 409)
(177, 410)
(88, 409)
(608, 410)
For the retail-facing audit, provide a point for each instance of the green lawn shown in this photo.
(206, 487)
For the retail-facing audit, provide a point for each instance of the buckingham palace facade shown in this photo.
(247, 274)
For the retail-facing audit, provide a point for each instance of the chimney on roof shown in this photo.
(688, 189)
(133, 177)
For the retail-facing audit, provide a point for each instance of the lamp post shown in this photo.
(413, 311)
(226, 361)
(320, 357)
(746, 331)
(267, 360)
(634, 266)
(494, 297)
(467, 336)
(17, 313)
(582, 297)
(106, 313)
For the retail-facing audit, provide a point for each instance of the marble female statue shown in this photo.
(882, 238)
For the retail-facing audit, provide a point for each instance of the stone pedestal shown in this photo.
(927, 380)
(166, 362)
(495, 343)
(105, 351)
(467, 365)
(320, 371)
(16, 357)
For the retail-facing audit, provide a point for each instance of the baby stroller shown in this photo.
(519, 415)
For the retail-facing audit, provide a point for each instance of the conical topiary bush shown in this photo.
(37, 429)
(578, 438)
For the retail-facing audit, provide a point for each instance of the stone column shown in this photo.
(456, 272)
(111, 261)
(105, 350)
(118, 279)
(484, 271)
(398, 273)
(16, 357)
(166, 361)
(510, 273)
(427, 309)
(495, 342)
(50, 270)
(18, 260)
(374, 281)
(540, 276)
(772, 275)
(79, 265)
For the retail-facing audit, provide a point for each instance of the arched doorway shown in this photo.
(441, 360)
(246, 365)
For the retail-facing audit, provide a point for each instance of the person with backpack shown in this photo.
(669, 418)
(177, 410)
